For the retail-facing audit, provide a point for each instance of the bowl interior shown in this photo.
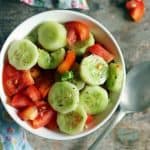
(101, 34)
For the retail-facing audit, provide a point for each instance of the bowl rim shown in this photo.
(99, 24)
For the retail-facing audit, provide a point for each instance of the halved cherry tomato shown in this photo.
(76, 30)
(101, 51)
(89, 119)
(68, 62)
(20, 101)
(33, 93)
(29, 113)
(136, 9)
(14, 80)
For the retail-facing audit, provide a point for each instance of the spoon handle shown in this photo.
(119, 116)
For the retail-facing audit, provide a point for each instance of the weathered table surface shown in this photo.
(133, 133)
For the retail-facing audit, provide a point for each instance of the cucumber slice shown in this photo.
(44, 59)
(115, 77)
(50, 60)
(33, 36)
(63, 97)
(94, 99)
(52, 35)
(79, 83)
(72, 122)
(77, 79)
(57, 57)
(81, 46)
(94, 70)
(23, 54)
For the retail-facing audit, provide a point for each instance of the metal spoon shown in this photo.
(136, 97)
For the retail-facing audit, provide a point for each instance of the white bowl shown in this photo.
(102, 35)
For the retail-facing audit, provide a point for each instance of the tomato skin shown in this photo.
(33, 93)
(45, 115)
(20, 101)
(44, 82)
(11, 78)
(52, 125)
(15, 80)
(101, 51)
(29, 113)
(27, 79)
(136, 9)
(35, 72)
(71, 37)
(89, 119)
(76, 30)
(68, 62)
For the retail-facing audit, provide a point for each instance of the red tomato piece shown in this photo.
(43, 86)
(33, 93)
(46, 114)
(29, 113)
(131, 4)
(76, 30)
(35, 72)
(15, 80)
(68, 62)
(136, 9)
(20, 101)
(53, 123)
(44, 82)
(89, 119)
(101, 51)
(42, 120)
(71, 37)
(27, 78)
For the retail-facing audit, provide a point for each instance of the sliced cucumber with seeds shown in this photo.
(72, 122)
(81, 46)
(48, 60)
(63, 97)
(23, 54)
(115, 77)
(52, 35)
(94, 99)
(94, 70)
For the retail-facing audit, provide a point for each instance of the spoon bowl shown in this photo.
(137, 94)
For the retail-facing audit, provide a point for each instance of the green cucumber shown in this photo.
(23, 54)
(94, 99)
(80, 47)
(63, 97)
(52, 35)
(72, 122)
(94, 70)
(115, 77)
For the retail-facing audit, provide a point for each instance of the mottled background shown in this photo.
(133, 133)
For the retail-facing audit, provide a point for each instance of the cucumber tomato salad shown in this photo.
(60, 77)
